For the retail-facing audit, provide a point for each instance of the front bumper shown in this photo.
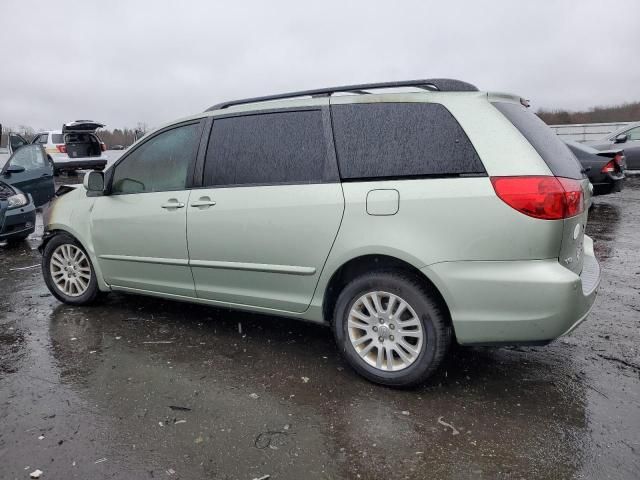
(18, 222)
(516, 302)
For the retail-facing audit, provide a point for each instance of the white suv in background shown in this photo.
(75, 147)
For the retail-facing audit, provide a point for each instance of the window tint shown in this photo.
(399, 140)
(285, 147)
(57, 138)
(160, 164)
(42, 138)
(30, 157)
(553, 151)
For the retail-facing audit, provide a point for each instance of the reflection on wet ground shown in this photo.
(144, 388)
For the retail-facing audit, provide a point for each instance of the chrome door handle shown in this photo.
(172, 205)
(203, 203)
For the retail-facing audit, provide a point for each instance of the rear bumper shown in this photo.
(610, 184)
(516, 302)
(18, 223)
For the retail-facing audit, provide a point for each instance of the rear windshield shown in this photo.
(553, 151)
(57, 138)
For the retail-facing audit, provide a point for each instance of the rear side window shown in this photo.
(57, 138)
(401, 140)
(272, 148)
(553, 151)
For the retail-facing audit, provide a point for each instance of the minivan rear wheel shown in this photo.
(391, 328)
(68, 271)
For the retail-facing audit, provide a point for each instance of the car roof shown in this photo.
(431, 84)
(450, 89)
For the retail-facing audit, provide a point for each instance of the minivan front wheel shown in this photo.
(391, 328)
(68, 271)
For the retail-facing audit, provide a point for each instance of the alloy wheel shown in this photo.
(70, 270)
(385, 331)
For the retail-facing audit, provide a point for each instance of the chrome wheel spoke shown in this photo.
(411, 322)
(391, 336)
(376, 302)
(365, 351)
(360, 316)
(402, 354)
(389, 354)
(410, 349)
(368, 305)
(361, 340)
(410, 333)
(392, 301)
(379, 357)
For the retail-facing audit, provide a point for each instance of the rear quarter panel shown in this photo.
(442, 220)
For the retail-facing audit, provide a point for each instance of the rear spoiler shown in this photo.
(610, 153)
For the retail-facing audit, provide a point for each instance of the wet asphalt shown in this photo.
(139, 388)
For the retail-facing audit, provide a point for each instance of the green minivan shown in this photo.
(404, 215)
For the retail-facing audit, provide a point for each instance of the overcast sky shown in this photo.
(121, 62)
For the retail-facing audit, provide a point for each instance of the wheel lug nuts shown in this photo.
(382, 320)
(392, 326)
(380, 339)
(375, 329)
(391, 338)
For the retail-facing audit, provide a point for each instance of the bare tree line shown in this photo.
(117, 136)
(628, 112)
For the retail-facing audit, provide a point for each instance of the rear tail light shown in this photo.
(103, 147)
(62, 148)
(618, 159)
(610, 167)
(548, 198)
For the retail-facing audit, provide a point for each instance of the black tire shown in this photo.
(92, 291)
(432, 315)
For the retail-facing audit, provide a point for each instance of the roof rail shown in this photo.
(433, 84)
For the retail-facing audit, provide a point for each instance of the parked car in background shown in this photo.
(75, 147)
(9, 143)
(627, 138)
(605, 168)
(402, 220)
(26, 183)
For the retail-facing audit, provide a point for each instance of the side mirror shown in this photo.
(623, 137)
(14, 169)
(94, 182)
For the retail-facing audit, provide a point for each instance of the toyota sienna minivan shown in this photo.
(404, 215)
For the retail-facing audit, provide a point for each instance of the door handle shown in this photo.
(203, 202)
(173, 204)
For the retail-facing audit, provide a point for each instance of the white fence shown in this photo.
(586, 131)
